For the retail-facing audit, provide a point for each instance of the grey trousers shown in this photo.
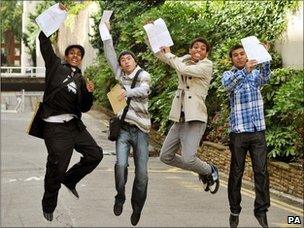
(185, 136)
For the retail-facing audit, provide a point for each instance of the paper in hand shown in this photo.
(106, 16)
(51, 19)
(113, 96)
(255, 50)
(103, 30)
(158, 35)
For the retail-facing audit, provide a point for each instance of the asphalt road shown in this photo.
(175, 197)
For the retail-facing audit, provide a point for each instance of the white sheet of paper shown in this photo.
(104, 32)
(158, 35)
(106, 15)
(51, 19)
(255, 50)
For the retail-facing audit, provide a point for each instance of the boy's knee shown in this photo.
(165, 158)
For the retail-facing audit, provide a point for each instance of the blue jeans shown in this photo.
(132, 136)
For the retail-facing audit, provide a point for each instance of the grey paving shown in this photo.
(175, 197)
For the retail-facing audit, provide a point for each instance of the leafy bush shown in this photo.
(223, 23)
(286, 117)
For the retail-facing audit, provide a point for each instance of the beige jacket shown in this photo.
(193, 84)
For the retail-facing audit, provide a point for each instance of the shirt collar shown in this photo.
(234, 69)
(132, 75)
(187, 59)
(77, 70)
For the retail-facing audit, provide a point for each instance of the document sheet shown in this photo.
(103, 30)
(51, 19)
(255, 50)
(158, 35)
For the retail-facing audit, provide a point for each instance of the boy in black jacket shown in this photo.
(64, 130)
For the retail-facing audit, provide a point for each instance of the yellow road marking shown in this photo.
(246, 192)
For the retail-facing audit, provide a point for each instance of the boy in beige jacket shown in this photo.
(189, 112)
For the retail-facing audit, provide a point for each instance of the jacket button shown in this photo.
(188, 87)
(189, 97)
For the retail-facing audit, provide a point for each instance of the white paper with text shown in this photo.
(158, 35)
(255, 50)
(51, 19)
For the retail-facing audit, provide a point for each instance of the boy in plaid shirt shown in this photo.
(247, 132)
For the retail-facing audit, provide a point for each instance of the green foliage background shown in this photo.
(223, 24)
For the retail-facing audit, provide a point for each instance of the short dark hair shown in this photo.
(237, 46)
(126, 52)
(202, 40)
(66, 52)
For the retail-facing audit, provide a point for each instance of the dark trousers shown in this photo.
(255, 143)
(60, 140)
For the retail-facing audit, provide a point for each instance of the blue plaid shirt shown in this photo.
(246, 101)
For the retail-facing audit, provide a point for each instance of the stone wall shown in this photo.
(286, 178)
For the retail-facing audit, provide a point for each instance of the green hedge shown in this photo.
(222, 23)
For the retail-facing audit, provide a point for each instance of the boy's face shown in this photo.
(127, 63)
(198, 51)
(74, 57)
(239, 58)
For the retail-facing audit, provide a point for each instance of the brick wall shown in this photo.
(287, 178)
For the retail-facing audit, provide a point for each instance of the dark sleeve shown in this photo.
(86, 99)
(47, 52)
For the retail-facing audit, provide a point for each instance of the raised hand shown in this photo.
(250, 65)
(63, 7)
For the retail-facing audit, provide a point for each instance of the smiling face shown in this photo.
(74, 57)
(239, 58)
(127, 63)
(198, 51)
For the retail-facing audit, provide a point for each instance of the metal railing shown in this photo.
(22, 71)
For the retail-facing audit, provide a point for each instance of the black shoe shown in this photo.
(117, 209)
(211, 180)
(262, 219)
(135, 218)
(233, 220)
(72, 190)
(204, 180)
(48, 216)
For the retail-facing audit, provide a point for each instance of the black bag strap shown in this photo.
(129, 98)
(52, 94)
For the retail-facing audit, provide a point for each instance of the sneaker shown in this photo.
(135, 218)
(48, 216)
(117, 209)
(262, 219)
(210, 180)
(215, 182)
(233, 220)
(204, 180)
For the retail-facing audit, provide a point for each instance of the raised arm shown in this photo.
(143, 90)
(111, 55)
(264, 75)
(47, 52)
(202, 69)
(232, 78)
